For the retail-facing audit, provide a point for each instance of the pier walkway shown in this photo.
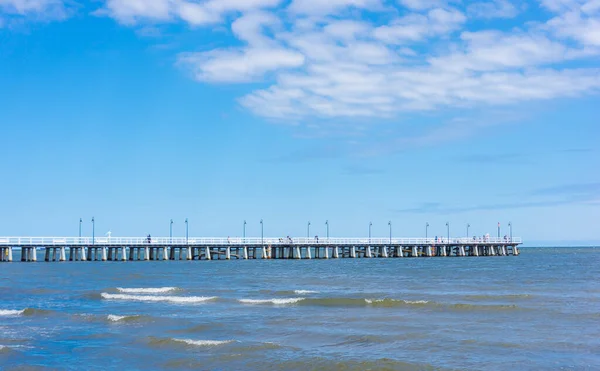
(216, 248)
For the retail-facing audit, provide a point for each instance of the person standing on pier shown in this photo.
(149, 238)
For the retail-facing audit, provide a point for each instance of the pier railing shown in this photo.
(240, 241)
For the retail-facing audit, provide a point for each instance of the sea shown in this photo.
(536, 311)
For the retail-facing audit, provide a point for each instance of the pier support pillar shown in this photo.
(474, 250)
(103, 253)
(414, 253)
(428, 251)
(353, 252)
(326, 256)
(228, 253)
(33, 254)
(461, 250)
(297, 253)
(442, 250)
(336, 252)
(384, 252)
(207, 253)
(63, 256)
(515, 250)
(165, 253)
(188, 254)
(492, 250)
(82, 254)
(124, 253)
(368, 252)
(245, 253)
(399, 252)
(10, 254)
(308, 254)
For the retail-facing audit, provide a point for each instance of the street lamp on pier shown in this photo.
(80, 221)
(186, 231)
(327, 224)
(262, 233)
(498, 229)
(448, 229)
(93, 231)
(468, 225)
(390, 224)
(171, 231)
(308, 230)
(244, 232)
(370, 224)
(426, 230)
(510, 228)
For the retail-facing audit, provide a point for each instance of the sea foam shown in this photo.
(204, 343)
(11, 312)
(146, 290)
(305, 292)
(157, 298)
(271, 301)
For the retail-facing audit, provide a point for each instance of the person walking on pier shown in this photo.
(317, 239)
(149, 238)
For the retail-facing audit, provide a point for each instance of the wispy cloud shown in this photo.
(581, 193)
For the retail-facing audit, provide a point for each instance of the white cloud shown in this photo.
(492, 9)
(416, 27)
(327, 59)
(193, 12)
(37, 10)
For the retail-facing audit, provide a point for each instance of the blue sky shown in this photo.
(352, 111)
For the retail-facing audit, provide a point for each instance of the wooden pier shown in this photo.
(58, 249)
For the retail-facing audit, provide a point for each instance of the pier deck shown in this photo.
(216, 248)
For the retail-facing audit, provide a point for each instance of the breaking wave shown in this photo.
(189, 342)
(132, 318)
(23, 312)
(153, 298)
(147, 290)
(305, 292)
(271, 301)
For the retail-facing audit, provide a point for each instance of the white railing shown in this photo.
(204, 241)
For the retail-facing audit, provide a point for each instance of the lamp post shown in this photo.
(244, 233)
(93, 231)
(327, 224)
(448, 228)
(468, 225)
(390, 224)
(186, 231)
(171, 231)
(426, 228)
(510, 228)
(370, 224)
(80, 221)
(498, 229)
(261, 233)
(308, 230)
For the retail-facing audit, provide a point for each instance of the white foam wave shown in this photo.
(146, 290)
(115, 318)
(204, 343)
(271, 301)
(153, 298)
(305, 292)
(11, 312)
(416, 301)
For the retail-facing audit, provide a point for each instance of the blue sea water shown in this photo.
(537, 311)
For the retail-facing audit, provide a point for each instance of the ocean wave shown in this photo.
(115, 318)
(153, 298)
(498, 297)
(305, 292)
(11, 312)
(186, 342)
(23, 312)
(271, 301)
(147, 290)
(204, 343)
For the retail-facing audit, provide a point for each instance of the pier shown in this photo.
(60, 249)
